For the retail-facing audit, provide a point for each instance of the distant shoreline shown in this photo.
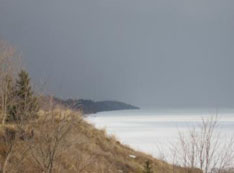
(92, 107)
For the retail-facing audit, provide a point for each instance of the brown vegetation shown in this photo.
(61, 141)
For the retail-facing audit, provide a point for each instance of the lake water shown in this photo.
(153, 131)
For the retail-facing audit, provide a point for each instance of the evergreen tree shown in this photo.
(147, 167)
(26, 106)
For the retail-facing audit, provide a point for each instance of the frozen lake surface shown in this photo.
(154, 131)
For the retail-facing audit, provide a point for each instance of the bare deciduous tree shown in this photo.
(9, 67)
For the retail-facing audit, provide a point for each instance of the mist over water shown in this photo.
(153, 131)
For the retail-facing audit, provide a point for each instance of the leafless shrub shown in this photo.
(50, 140)
(205, 148)
(11, 137)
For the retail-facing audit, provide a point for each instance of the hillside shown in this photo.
(89, 106)
(61, 141)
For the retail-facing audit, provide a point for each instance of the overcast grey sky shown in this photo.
(151, 53)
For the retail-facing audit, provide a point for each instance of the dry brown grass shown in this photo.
(82, 149)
